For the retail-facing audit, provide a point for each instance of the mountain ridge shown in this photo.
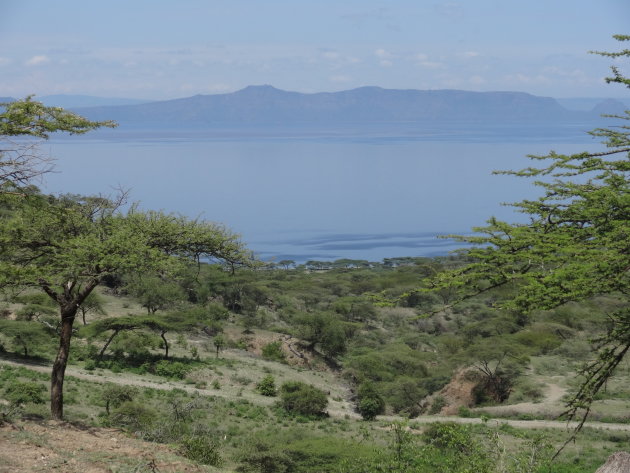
(269, 106)
(265, 104)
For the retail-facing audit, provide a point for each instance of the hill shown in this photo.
(257, 105)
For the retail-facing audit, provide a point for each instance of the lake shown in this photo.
(316, 196)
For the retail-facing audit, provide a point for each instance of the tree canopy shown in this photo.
(576, 244)
(20, 162)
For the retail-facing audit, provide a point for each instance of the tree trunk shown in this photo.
(165, 345)
(100, 355)
(59, 367)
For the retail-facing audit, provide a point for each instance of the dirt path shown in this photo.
(336, 409)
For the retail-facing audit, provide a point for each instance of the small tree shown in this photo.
(267, 386)
(93, 304)
(369, 401)
(26, 335)
(301, 398)
(115, 395)
(154, 293)
(323, 330)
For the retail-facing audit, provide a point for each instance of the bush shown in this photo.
(369, 402)
(22, 392)
(134, 417)
(449, 435)
(267, 386)
(202, 449)
(302, 398)
(115, 395)
(171, 369)
(273, 352)
(264, 456)
(436, 406)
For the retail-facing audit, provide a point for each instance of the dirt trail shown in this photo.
(336, 409)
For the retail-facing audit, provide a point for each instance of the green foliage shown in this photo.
(264, 456)
(324, 330)
(33, 311)
(134, 416)
(171, 369)
(27, 336)
(22, 392)
(20, 163)
(153, 293)
(267, 386)
(115, 395)
(27, 117)
(92, 304)
(301, 398)
(369, 401)
(202, 449)
(273, 351)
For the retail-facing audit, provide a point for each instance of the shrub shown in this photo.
(449, 435)
(134, 416)
(369, 402)
(202, 449)
(267, 386)
(22, 392)
(273, 351)
(171, 369)
(436, 406)
(115, 395)
(302, 398)
(265, 457)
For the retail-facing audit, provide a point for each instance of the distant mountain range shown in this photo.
(268, 106)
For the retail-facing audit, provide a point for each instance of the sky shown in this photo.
(159, 49)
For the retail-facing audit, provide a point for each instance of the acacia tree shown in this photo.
(154, 293)
(66, 246)
(576, 244)
(21, 161)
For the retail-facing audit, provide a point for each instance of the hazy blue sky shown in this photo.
(165, 49)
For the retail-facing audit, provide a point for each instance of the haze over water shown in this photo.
(317, 197)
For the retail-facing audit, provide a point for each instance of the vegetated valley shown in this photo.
(342, 367)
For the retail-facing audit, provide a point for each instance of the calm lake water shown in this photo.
(315, 197)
